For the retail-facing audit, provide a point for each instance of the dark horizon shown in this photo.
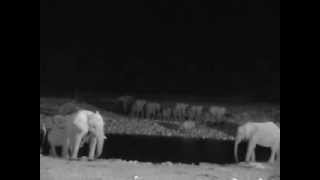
(175, 47)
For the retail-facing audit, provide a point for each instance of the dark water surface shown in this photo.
(163, 149)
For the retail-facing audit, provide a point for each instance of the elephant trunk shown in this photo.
(237, 141)
(100, 144)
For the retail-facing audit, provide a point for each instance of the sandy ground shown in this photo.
(115, 169)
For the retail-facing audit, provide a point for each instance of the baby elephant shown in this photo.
(56, 138)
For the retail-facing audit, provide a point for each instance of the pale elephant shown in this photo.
(266, 134)
(68, 108)
(56, 138)
(43, 132)
(78, 125)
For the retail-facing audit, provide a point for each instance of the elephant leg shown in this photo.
(176, 116)
(65, 148)
(253, 155)
(93, 145)
(143, 114)
(124, 108)
(278, 155)
(138, 114)
(133, 114)
(76, 146)
(53, 151)
(250, 150)
(272, 156)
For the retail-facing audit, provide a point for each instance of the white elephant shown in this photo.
(56, 138)
(78, 125)
(43, 132)
(266, 134)
(68, 108)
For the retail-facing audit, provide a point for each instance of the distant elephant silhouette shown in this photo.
(266, 134)
(78, 125)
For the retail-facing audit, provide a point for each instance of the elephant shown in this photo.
(266, 134)
(125, 102)
(43, 132)
(152, 110)
(217, 112)
(78, 125)
(56, 138)
(68, 108)
(138, 108)
(199, 112)
(195, 112)
(180, 111)
(166, 113)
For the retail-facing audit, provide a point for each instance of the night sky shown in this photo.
(229, 47)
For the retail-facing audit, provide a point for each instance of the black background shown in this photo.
(213, 48)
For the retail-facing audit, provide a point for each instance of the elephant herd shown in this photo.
(140, 108)
(72, 131)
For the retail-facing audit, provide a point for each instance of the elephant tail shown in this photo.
(44, 131)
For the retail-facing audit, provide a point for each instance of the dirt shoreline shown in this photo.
(116, 169)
